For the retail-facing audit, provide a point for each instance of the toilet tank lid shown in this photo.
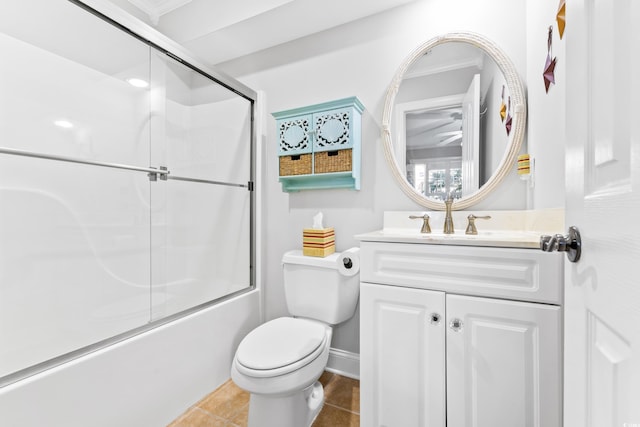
(296, 257)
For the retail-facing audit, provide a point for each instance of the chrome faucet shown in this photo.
(448, 220)
(426, 228)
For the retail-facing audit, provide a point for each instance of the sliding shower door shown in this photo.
(125, 196)
(201, 214)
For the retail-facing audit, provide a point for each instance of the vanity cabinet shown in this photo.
(444, 342)
(319, 145)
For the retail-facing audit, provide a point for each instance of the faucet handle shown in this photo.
(471, 227)
(426, 228)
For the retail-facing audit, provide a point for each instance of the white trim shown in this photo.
(344, 363)
(260, 129)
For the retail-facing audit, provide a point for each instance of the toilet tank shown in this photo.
(324, 289)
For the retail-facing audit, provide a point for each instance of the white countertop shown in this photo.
(493, 239)
(513, 229)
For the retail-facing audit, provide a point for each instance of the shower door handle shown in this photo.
(162, 171)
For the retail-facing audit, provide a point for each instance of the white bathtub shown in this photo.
(147, 380)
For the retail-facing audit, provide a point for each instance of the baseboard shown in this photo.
(344, 363)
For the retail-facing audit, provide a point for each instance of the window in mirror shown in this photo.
(437, 179)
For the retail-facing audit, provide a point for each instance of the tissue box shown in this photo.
(319, 242)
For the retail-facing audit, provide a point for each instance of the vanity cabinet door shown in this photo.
(402, 364)
(503, 363)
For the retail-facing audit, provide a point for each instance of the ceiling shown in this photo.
(220, 31)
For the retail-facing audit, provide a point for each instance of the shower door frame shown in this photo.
(137, 29)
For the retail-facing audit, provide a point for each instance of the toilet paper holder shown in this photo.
(347, 263)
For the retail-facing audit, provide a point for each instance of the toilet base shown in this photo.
(296, 410)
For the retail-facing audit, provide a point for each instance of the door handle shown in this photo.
(570, 243)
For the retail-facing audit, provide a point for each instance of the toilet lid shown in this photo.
(280, 342)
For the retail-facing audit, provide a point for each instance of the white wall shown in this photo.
(546, 126)
(360, 59)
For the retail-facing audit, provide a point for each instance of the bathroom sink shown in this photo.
(511, 229)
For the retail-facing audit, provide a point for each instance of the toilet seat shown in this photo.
(280, 346)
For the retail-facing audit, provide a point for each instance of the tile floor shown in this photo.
(228, 406)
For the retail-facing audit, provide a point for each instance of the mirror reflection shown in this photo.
(451, 121)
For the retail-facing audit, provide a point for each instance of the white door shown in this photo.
(602, 290)
(504, 363)
(471, 138)
(402, 371)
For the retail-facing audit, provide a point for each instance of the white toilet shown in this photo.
(280, 362)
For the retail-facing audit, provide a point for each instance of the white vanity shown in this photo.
(459, 330)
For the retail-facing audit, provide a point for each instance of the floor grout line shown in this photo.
(341, 408)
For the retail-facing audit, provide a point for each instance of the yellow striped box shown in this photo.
(318, 242)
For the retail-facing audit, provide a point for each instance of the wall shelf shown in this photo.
(319, 181)
(319, 145)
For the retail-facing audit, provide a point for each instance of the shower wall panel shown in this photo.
(74, 258)
(53, 70)
(201, 247)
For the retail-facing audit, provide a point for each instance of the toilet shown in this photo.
(279, 363)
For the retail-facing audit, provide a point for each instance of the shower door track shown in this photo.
(41, 367)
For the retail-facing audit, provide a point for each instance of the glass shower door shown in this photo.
(74, 196)
(97, 242)
(201, 215)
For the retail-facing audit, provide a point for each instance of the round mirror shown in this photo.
(454, 120)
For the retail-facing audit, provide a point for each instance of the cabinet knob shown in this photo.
(455, 325)
(435, 319)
